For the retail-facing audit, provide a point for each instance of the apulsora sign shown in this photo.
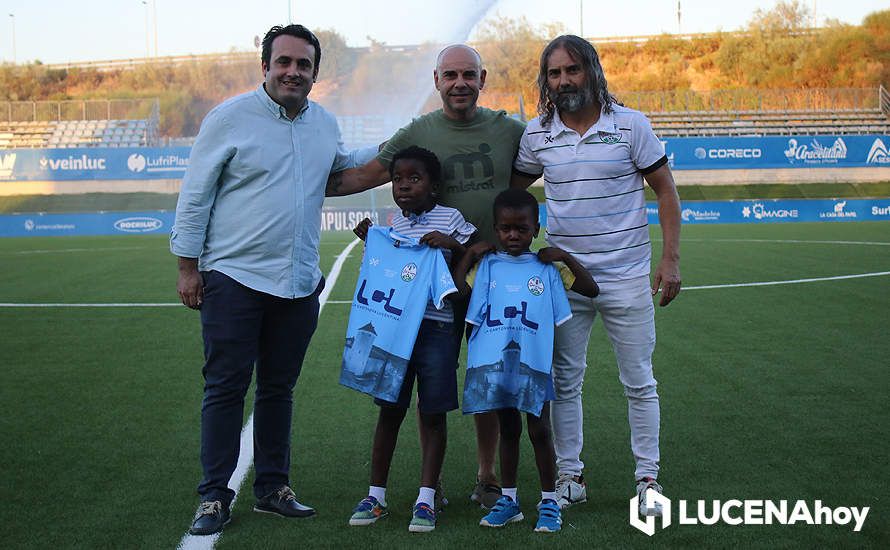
(745, 512)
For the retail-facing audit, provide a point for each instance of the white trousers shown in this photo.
(628, 316)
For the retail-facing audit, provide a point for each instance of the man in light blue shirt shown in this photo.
(246, 234)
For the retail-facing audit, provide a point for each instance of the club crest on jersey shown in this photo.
(409, 272)
(536, 286)
(610, 138)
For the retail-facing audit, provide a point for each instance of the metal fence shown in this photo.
(829, 99)
(79, 109)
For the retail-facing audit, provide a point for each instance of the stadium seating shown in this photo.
(366, 130)
(31, 134)
(62, 134)
(766, 123)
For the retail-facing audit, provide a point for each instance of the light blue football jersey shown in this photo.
(516, 303)
(397, 278)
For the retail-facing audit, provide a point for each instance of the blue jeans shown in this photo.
(243, 327)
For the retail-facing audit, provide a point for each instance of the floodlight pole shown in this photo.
(147, 48)
(679, 24)
(581, 16)
(154, 7)
(12, 19)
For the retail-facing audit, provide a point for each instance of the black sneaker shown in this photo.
(284, 503)
(210, 518)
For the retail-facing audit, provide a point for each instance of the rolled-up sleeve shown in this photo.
(211, 152)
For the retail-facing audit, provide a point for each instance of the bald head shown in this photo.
(459, 76)
(459, 53)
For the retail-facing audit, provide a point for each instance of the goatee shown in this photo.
(571, 101)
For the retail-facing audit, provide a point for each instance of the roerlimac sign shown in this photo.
(344, 219)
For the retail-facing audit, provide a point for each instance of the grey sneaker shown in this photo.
(642, 486)
(485, 495)
(570, 490)
(440, 501)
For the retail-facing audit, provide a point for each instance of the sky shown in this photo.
(59, 31)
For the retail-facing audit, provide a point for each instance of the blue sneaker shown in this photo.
(549, 517)
(504, 511)
(368, 511)
(424, 519)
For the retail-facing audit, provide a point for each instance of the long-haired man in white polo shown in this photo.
(595, 157)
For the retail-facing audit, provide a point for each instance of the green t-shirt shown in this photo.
(476, 157)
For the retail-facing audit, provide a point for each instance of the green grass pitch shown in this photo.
(770, 392)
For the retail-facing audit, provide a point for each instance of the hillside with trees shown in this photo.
(776, 50)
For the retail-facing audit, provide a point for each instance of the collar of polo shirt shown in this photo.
(605, 123)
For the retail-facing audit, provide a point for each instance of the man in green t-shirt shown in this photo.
(476, 147)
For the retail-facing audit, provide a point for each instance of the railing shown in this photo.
(130, 63)
(828, 99)
(80, 109)
(884, 100)
(253, 56)
(738, 102)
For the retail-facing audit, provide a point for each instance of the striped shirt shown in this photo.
(444, 220)
(593, 186)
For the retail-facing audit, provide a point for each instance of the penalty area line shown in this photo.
(245, 458)
(790, 282)
(335, 270)
(143, 304)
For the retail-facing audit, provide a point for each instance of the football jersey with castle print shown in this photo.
(398, 277)
(515, 305)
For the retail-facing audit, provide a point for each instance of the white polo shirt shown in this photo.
(593, 186)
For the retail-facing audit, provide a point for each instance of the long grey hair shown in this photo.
(582, 51)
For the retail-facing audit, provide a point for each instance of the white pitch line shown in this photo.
(763, 283)
(138, 304)
(245, 458)
(327, 291)
(785, 241)
(335, 272)
(790, 282)
(65, 250)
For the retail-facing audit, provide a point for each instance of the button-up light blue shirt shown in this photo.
(250, 203)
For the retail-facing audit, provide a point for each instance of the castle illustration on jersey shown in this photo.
(369, 369)
(505, 383)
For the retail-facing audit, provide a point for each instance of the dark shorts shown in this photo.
(434, 364)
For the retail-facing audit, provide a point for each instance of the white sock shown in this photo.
(379, 493)
(509, 492)
(427, 495)
(547, 494)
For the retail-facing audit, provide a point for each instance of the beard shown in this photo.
(571, 100)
